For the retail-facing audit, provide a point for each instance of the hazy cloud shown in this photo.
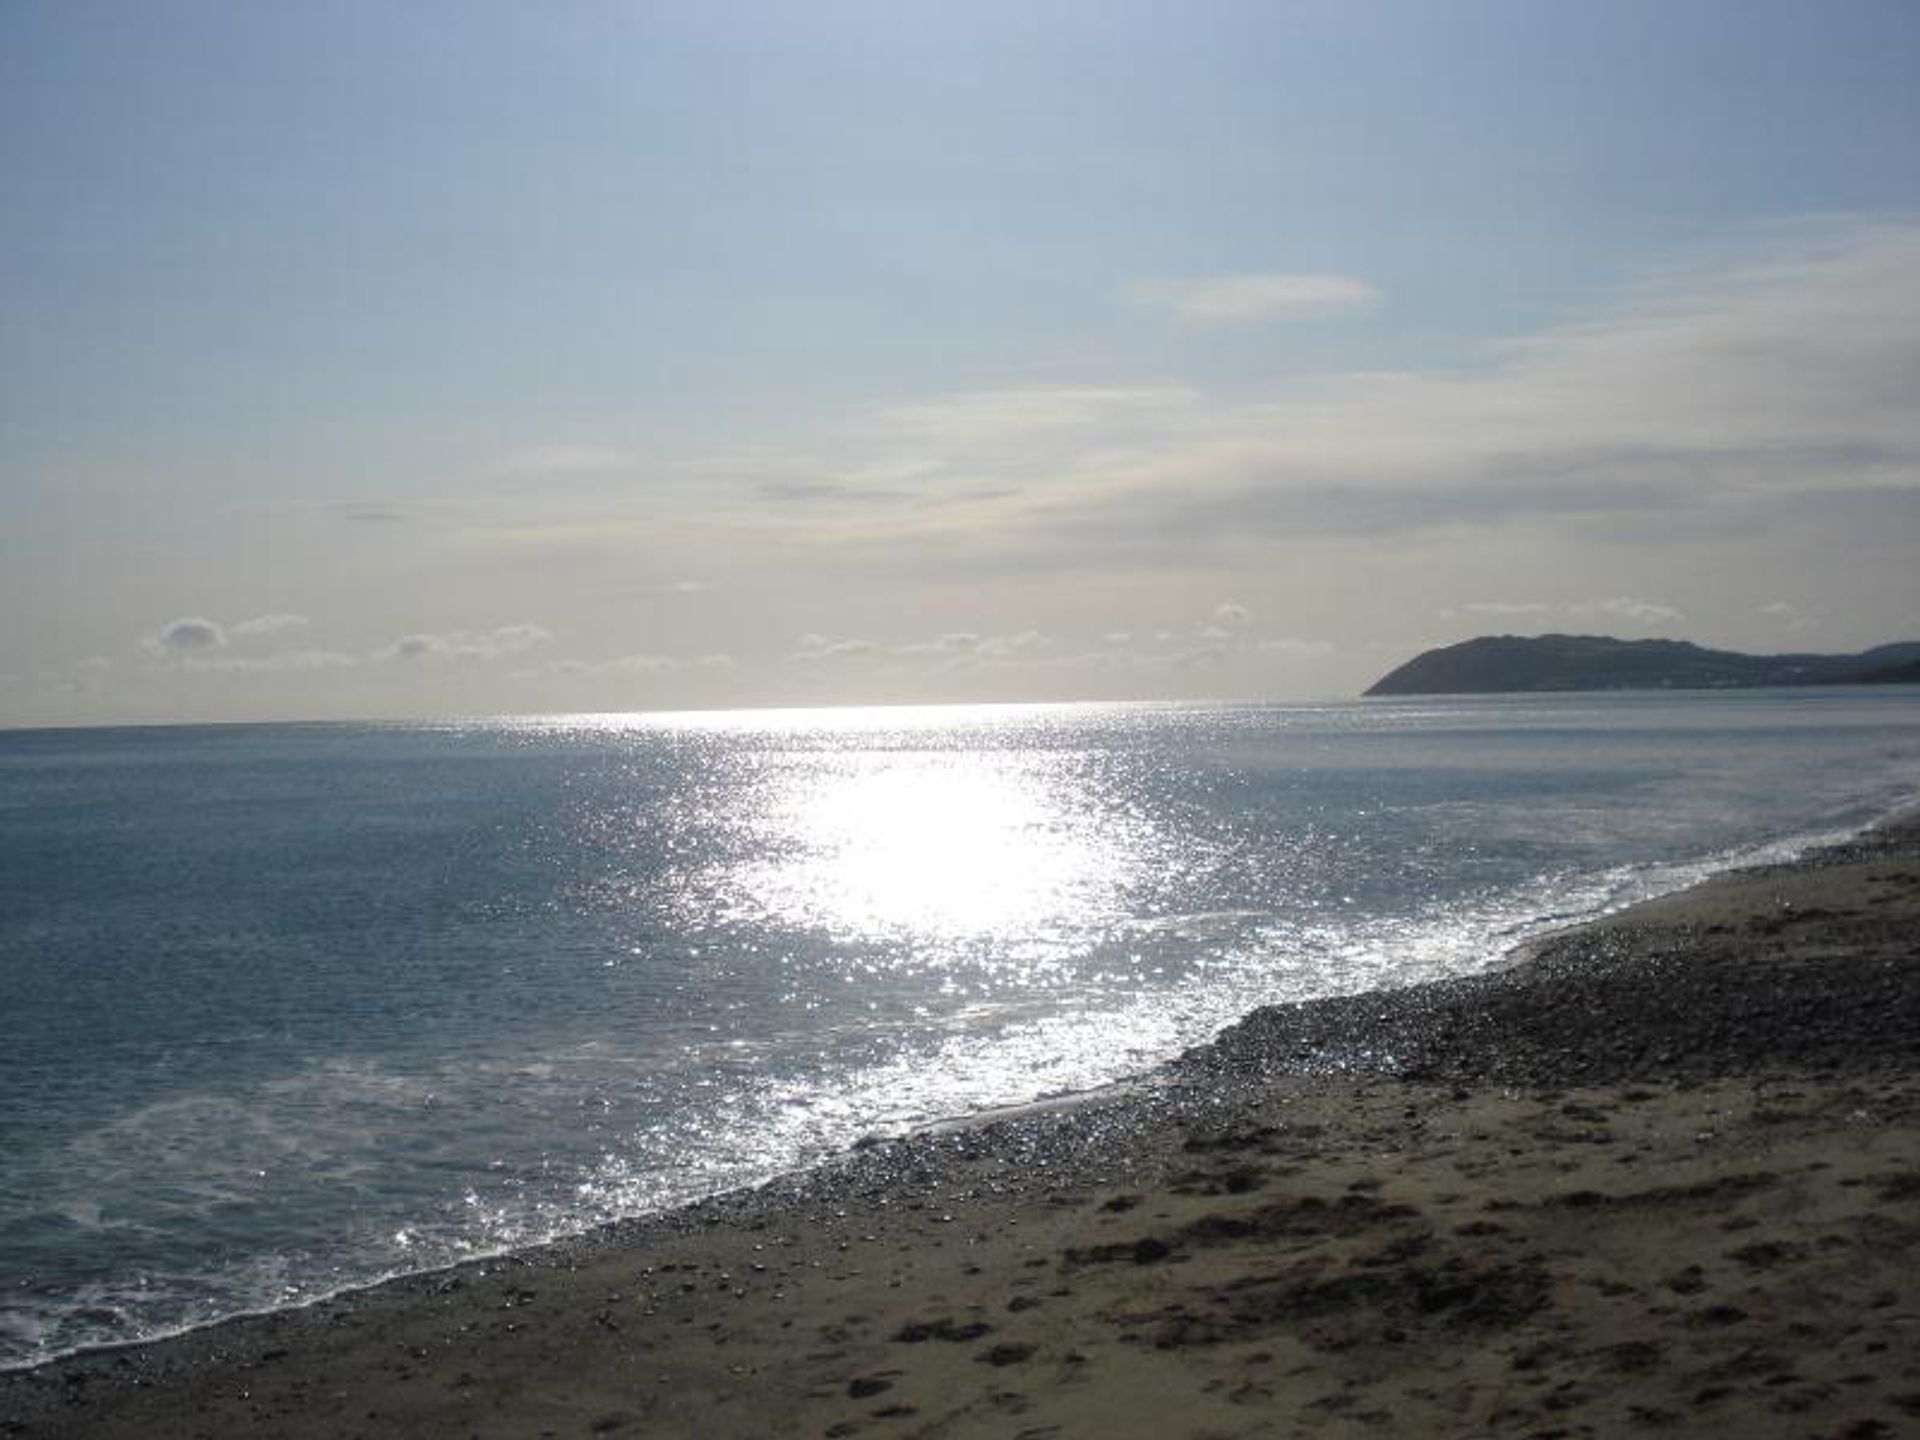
(627, 666)
(467, 645)
(1302, 649)
(1500, 609)
(1627, 607)
(288, 662)
(1245, 299)
(1688, 404)
(269, 624)
(992, 417)
(947, 650)
(561, 462)
(1614, 607)
(816, 649)
(1796, 618)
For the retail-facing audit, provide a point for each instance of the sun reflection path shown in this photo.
(939, 847)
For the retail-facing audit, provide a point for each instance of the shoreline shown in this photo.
(1515, 952)
(1272, 1230)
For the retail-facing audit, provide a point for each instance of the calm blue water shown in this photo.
(290, 1008)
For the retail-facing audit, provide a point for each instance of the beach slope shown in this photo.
(1658, 1178)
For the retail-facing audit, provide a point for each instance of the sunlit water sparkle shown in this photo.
(292, 1008)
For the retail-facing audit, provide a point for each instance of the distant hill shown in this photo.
(1501, 663)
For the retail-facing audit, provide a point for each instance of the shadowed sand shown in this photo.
(1660, 1178)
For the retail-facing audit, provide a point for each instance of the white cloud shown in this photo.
(1232, 615)
(1246, 299)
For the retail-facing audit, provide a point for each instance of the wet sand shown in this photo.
(1662, 1177)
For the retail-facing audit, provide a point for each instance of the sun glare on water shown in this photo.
(942, 847)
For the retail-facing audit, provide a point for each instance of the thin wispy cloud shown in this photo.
(1757, 382)
(467, 645)
(1252, 299)
(270, 624)
(286, 662)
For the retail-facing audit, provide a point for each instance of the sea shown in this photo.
(289, 1009)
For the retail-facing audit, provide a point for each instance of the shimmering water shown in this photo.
(289, 1008)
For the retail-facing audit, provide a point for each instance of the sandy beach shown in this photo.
(1661, 1176)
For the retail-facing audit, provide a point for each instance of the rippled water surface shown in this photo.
(287, 1008)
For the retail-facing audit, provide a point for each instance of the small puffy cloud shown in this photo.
(1232, 616)
(189, 635)
(1248, 299)
(200, 643)
(269, 624)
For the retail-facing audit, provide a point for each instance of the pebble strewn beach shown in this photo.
(1658, 1178)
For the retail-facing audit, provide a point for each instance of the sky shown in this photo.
(366, 360)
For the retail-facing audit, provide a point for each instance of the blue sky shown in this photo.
(371, 359)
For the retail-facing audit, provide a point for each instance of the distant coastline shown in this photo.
(1502, 664)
